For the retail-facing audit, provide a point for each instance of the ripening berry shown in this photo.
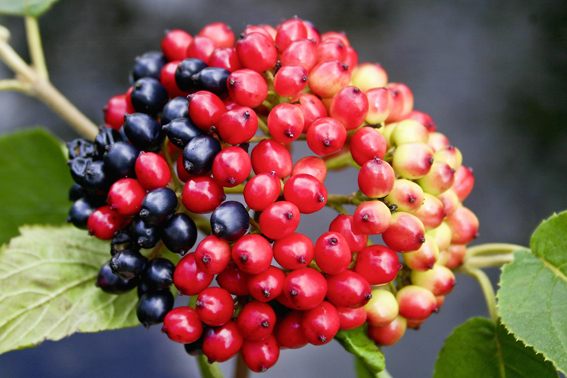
(450, 201)
(405, 233)
(454, 256)
(350, 107)
(409, 131)
(464, 182)
(377, 264)
(439, 280)
(372, 218)
(412, 160)
(389, 334)
(406, 195)
(367, 76)
(425, 257)
(464, 226)
(367, 144)
(416, 302)
(450, 155)
(402, 101)
(439, 179)
(379, 105)
(382, 308)
(438, 141)
(328, 77)
(431, 212)
(441, 235)
(332, 49)
(311, 165)
(423, 118)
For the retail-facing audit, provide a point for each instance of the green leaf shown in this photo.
(35, 181)
(33, 8)
(479, 348)
(532, 299)
(357, 342)
(48, 292)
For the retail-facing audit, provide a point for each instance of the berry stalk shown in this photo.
(209, 370)
(486, 287)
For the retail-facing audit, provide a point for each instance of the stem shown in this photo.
(493, 249)
(341, 161)
(262, 125)
(254, 224)
(241, 370)
(238, 189)
(486, 287)
(35, 47)
(257, 139)
(209, 370)
(176, 182)
(488, 261)
(384, 374)
(13, 84)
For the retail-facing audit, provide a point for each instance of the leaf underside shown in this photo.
(479, 348)
(34, 8)
(48, 292)
(532, 299)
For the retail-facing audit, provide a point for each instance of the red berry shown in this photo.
(464, 225)
(288, 32)
(257, 52)
(126, 196)
(234, 280)
(376, 178)
(377, 264)
(311, 165)
(338, 35)
(175, 43)
(423, 118)
(225, 57)
(348, 289)
(182, 325)
(270, 155)
(425, 257)
(212, 255)
(205, 109)
(406, 195)
(285, 123)
(201, 48)
(258, 29)
(238, 125)
(214, 306)
(115, 110)
(352, 57)
(279, 220)
(350, 107)
(220, 33)
(222, 343)
(332, 49)
(464, 182)
(344, 225)
(311, 107)
(188, 278)
(152, 170)
(247, 88)
(262, 190)
(320, 324)
(288, 331)
(351, 318)
(325, 136)
(372, 218)
(328, 77)
(167, 79)
(231, 167)
(260, 355)
(332, 253)
(389, 334)
(306, 192)
(267, 285)
(379, 105)
(405, 234)
(290, 80)
(367, 144)
(402, 101)
(252, 253)
(416, 302)
(294, 251)
(202, 195)
(104, 222)
(302, 52)
(256, 320)
(305, 288)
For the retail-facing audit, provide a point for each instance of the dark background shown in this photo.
(492, 74)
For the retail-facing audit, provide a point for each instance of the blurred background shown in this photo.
(492, 74)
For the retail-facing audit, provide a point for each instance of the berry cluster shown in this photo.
(178, 141)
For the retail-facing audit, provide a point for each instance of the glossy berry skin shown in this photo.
(301, 52)
(402, 101)
(306, 192)
(256, 320)
(201, 48)
(182, 325)
(149, 96)
(78, 169)
(332, 253)
(379, 105)
(332, 49)
(181, 131)
(219, 32)
(351, 318)
(289, 31)
(106, 137)
(372, 218)
(205, 109)
(288, 331)
(267, 285)
(148, 65)
(252, 253)
(376, 178)
(153, 306)
(104, 222)
(285, 123)
(464, 226)
(409, 131)
(144, 235)
(290, 81)
(294, 251)
(425, 257)
(382, 308)
(98, 178)
(158, 273)
(405, 234)
(412, 160)
(305, 288)
(174, 44)
(439, 280)
(320, 324)
(311, 165)
(202, 195)
(464, 182)
(128, 264)
(177, 107)
(144, 132)
(188, 278)
(439, 179)
(377, 264)
(389, 334)
(110, 283)
(270, 155)
(212, 255)
(212, 79)
(369, 75)
(260, 355)
(350, 107)
(416, 302)
(256, 52)
(367, 144)
(126, 196)
(279, 220)
(230, 221)
(225, 57)
(222, 343)
(114, 111)
(406, 195)
(81, 210)
(311, 107)
(158, 205)
(348, 289)
(344, 225)
(234, 280)
(179, 233)
(185, 71)
(262, 190)
(214, 306)
(450, 201)
(199, 154)
(247, 88)
(238, 125)
(152, 171)
(329, 77)
(431, 213)
(326, 136)
(231, 166)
